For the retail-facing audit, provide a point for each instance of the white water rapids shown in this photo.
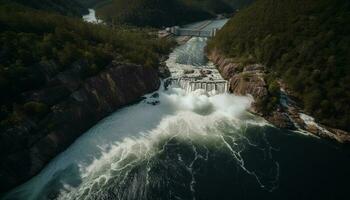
(138, 134)
(91, 17)
(134, 134)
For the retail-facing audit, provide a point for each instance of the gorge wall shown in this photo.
(76, 105)
(251, 80)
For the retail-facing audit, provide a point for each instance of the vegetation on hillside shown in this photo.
(158, 13)
(31, 39)
(65, 7)
(238, 4)
(93, 3)
(306, 43)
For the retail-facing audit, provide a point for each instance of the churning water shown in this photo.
(179, 144)
(91, 17)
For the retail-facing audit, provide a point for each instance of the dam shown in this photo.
(220, 86)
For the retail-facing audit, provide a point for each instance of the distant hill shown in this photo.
(93, 3)
(238, 4)
(65, 7)
(304, 42)
(88, 3)
(157, 13)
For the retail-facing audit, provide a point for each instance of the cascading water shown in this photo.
(182, 143)
(91, 17)
(191, 70)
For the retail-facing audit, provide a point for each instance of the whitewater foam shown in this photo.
(109, 153)
(134, 134)
(91, 17)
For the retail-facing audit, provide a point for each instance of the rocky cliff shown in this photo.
(243, 80)
(251, 80)
(75, 105)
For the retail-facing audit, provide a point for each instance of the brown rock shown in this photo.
(32, 146)
(255, 67)
(312, 129)
(248, 83)
(342, 136)
(280, 120)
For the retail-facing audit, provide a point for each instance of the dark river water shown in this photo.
(192, 145)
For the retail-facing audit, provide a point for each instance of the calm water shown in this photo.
(192, 146)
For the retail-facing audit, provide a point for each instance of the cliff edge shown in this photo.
(284, 112)
(76, 105)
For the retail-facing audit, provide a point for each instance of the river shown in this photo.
(181, 144)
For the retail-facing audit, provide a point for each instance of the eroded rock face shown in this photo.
(247, 80)
(341, 136)
(250, 80)
(226, 67)
(249, 83)
(281, 120)
(75, 107)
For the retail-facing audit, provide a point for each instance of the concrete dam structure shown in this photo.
(177, 31)
(191, 84)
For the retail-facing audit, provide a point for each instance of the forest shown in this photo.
(31, 39)
(159, 13)
(64, 7)
(305, 43)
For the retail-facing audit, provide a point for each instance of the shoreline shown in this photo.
(288, 114)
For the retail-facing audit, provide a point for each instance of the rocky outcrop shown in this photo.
(280, 119)
(308, 123)
(227, 67)
(76, 104)
(340, 135)
(249, 80)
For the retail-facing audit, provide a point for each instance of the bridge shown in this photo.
(193, 32)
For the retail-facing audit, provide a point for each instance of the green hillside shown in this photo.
(31, 39)
(238, 4)
(306, 43)
(158, 13)
(93, 3)
(65, 7)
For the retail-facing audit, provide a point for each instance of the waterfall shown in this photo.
(218, 86)
(91, 17)
(191, 70)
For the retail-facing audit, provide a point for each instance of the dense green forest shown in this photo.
(238, 4)
(306, 43)
(31, 39)
(65, 7)
(93, 3)
(158, 13)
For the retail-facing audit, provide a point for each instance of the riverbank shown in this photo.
(251, 80)
(60, 76)
(79, 105)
